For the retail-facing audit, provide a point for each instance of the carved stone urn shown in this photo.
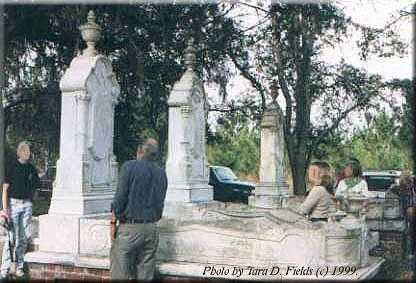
(91, 33)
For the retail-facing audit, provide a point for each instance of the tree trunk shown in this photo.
(298, 163)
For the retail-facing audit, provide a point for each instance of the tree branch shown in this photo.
(229, 110)
(256, 25)
(344, 114)
(252, 6)
(256, 84)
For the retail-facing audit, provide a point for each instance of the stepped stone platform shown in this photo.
(235, 238)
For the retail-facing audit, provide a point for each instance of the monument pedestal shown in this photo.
(71, 247)
(84, 235)
(272, 191)
(268, 196)
(76, 204)
(86, 177)
(189, 193)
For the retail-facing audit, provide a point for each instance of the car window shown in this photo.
(225, 173)
(379, 183)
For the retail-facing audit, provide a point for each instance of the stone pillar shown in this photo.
(89, 94)
(87, 169)
(272, 186)
(186, 164)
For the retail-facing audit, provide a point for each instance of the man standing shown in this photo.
(20, 182)
(137, 206)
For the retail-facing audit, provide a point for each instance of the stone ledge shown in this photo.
(195, 270)
(44, 265)
(67, 260)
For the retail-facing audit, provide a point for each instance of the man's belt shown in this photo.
(135, 221)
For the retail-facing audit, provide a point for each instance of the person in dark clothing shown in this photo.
(406, 190)
(21, 180)
(136, 208)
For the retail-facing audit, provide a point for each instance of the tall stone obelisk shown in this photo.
(86, 170)
(186, 164)
(272, 188)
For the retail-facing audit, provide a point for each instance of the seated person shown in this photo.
(318, 204)
(353, 183)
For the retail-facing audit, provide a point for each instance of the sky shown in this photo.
(373, 13)
(378, 14)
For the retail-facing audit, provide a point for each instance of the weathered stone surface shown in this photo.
(95, 236)
(73, 234)
(259, 238)
(59, 233)
(89, 94)
(78, 218)
(186, 270)
(272, 184)
(384, 215)
(398, 225)
(186, 165)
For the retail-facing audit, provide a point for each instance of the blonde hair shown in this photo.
(325, 175)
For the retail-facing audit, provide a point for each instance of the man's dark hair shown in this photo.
(150, 148)
(355, 164)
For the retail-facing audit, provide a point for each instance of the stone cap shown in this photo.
(183, 89)
(77, 75)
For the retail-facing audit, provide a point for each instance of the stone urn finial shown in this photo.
(274, 92)
(91, 33)
(190, 54)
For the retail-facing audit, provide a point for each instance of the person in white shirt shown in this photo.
(353, 182)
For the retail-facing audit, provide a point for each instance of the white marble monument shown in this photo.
(186, 165)
(272, 188)
(87, 169)
(89, 94)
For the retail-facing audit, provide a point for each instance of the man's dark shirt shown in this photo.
(23, 180)
(140, 192)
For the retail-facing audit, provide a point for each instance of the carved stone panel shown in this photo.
(100, 130)
(197, 135)
(95, 237)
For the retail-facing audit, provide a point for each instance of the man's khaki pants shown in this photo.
(133, 251)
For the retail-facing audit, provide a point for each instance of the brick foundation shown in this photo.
(43, 271)
(53, 271)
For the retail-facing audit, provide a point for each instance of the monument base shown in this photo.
(268, 196)
(76, 235)
(179, 212)
(199, 192)
(91, 203)
(221, 239)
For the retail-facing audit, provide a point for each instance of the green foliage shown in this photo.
(145, 44)
(288, 49)
(377, 147)
(235, 145)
